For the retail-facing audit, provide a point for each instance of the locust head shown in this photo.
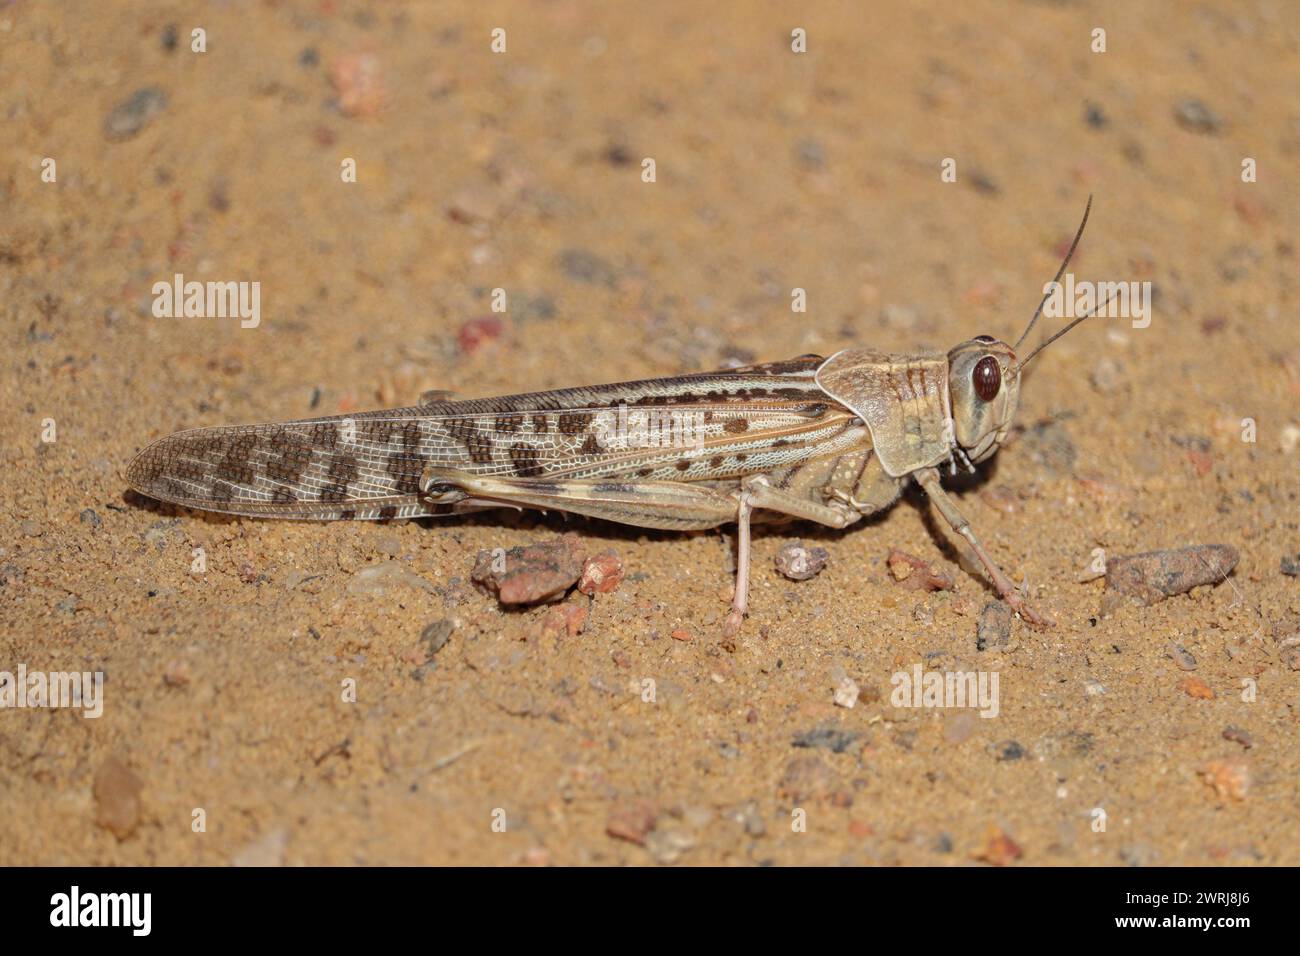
(984, 377)
(984, 384)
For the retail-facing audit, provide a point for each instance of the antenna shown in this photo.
(1059, 272)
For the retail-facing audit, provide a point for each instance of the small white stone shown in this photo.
(846, 693)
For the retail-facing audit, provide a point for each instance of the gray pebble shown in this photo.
(583, 266)
(829, 738)
(994, 627)
(748, 816)
(1238, 262)
(799, 563)
(527, 308)
(1181, 656)
(810, 154)
(1194, 115)
(669, 844)
(1049, 445)
(436, 635)
(135, 113)
(378, 578)
(1238, 736)
(1139, 854)
(1107, 375)
(984, 183)
(1006, 750)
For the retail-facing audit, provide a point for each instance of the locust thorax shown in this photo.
(984, 383)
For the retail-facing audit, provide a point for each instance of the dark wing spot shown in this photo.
(324, 435)
(480, 448)
(236, 464)
(574, 423)
(411, 438)
(526, 460)
(291, 461)
(336, 492)
(343, 469)
(460, 427)
(405, 473)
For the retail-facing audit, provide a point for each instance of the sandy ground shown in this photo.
(226, 736)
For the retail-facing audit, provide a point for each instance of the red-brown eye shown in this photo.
(987, 378)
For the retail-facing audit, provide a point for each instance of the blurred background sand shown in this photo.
(522, 171)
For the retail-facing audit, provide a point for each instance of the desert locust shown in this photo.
(827, 440)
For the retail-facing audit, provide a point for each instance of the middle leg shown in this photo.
(757, 492)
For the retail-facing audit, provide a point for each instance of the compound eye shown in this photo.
(987, 378)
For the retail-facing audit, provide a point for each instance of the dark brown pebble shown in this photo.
(531, 575)
(1155, 575)
(916, 574)
(631, 820)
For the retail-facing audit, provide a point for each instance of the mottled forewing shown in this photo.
(710, 426)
